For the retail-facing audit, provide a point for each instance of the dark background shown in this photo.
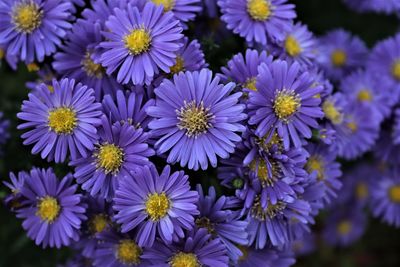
(379, 247)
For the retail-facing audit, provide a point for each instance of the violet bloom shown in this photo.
(155, 205)
(196, 118)
(120, 149)
(261, 21)
(33, 29)
(14, 200)
(52, 211)
(285, 101)
(140, 43)
(183, 10)
(64, 122)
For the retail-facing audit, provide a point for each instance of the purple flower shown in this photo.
(100, 10)
(183, 10)
(77, 61)
(140, 43)
(63, 121)
(120, 149)
(14, 200)
(196, 119)
(32, 29)
(340, 53)
(304, 246)
(258, 20)
(284, 101)
(155, 205)
(52, 211)
(198, 249)
(12, 60)
(256, 257)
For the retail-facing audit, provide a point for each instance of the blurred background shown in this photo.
(379, 246)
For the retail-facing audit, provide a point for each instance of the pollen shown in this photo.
(157, 206)
(315, 163)
(98, 223)
(286, 103)
(394, 193)
(32, 67)
(396, 69)
(274, 141)
(27, 17)
(338, 58)
(138, 41)
(183, 259)
(361, 190)
(92, 69)
(62, 120)
(267, 176)
(167, 4)
(205, 222)
(272, 210)
(332, 113)
(128, 252)
(352, 126)
(193, 118)
(179, 66)
(364, 95)
(251, 84)
(344, 227)
(292, 46)
(259, 10)
(110, 158)
(48, 209)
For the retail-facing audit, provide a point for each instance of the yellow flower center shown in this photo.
(167, 4)
(394, 193)
(27, 17)
(258, 9)
(364, 95)
(92, 69)
(183, 259)
(205, 222)
(332, 113)
(361, 190)
(138, 41)
(179, 65)
(274, 140)
(396, 69)
(314, 163)
(157, 206)
(128, 252)
(260, 167)
(292, 46)
(32, 67)
(352, 126)
(110, 157)
(50, 88)
(258, 212)
(251, 84)
(48, 209)
(193, 118)
(98, 223)
(62, 120)
(286, 103)
(338, 58)
(344, 227)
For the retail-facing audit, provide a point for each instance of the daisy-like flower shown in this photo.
(139, 44)
(196, 119)
(156, 205)
(189, 57)
(258, 20)
(100, 10)
(52, 211)
(14, 200)
(120, 149)
(128, 107)
(216, 216)
(385, 198)
(340, 53)
(76, 59)
(118, 250)
(243, 69)
(285, 101)
(32, 29)
(64, 121)
(197, 249)
(183, 10)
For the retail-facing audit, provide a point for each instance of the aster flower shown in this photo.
(340, 53)
(118, 250)
(14, 200)
(196, 119)
(44, 75)
(198, 249)
(100, 10)
(385, 150)
(64, 122)
(221, 222)
(11, 60)
(120, 149)
(287, 104)
(139, 44)
(156, 205)
(385, 198)
(32, 29)
(258, 20)
(76, 60)
(183, 10)
(52, 211)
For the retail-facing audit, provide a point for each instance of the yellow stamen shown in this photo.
(259, 9)
(92, 69)
(332, 113)
(292, 46)
(394, 193)
(364, 95)
(352, 126)
(193, 118)
(167, 4)
(251, 84)
(48, 209)
(128, 252)
(110, 158)
(62, 120)
(286, 103)
(396, 69)
(179, 66)
(258, 212)
(344, 227)
(32, 67)
(98, 223)
(338, 58)
(138, 41)
(361, 190)
(50, 88)
(183, 259)
(157, 206)
(315, 163)
(27, 17)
